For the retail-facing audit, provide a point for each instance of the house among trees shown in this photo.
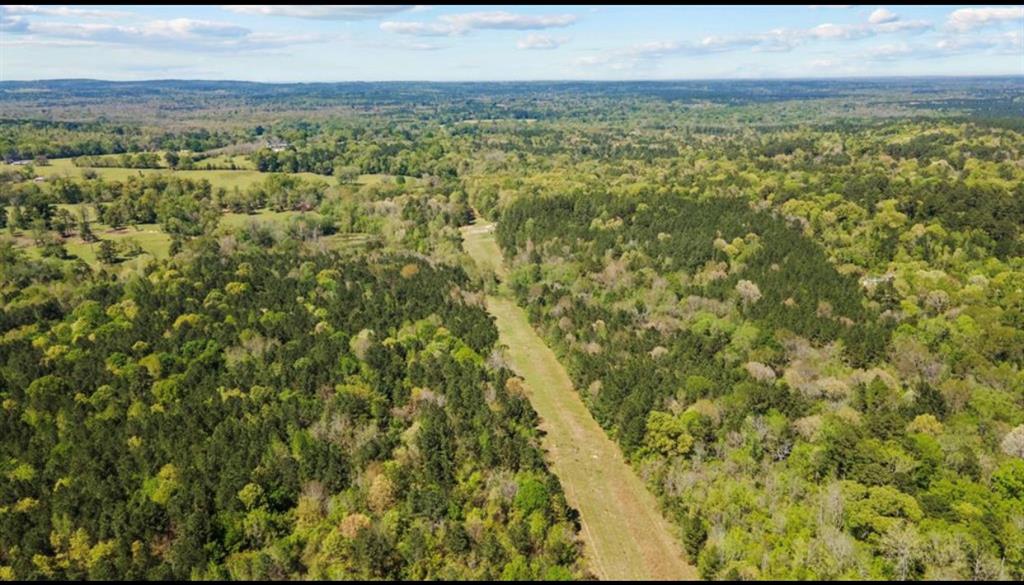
(277, 145)
(873, 281)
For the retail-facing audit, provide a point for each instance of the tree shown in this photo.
(902, 545)
(1013, 443)
(172, 158)
(107, 252)
(13, 219)
(346, 174)
(695, 534)
(131, 247)
(667, 435)
(85, 226)
(187, 216)
(435, 443)
(53, 247)
(1008, 480)
(532, 495)
(63, 221)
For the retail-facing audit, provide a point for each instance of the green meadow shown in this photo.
(228, 179)
(154, 242)
(245, 176)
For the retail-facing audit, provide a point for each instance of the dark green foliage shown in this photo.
(190, 413)
(994, 214)
(24, 139)
(107, 252)
(786, 266)
(695, 534)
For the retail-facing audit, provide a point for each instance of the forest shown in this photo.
(242, 340)
(270, 413)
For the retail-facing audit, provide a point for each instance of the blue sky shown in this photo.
(406, 42)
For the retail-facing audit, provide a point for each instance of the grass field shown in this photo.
(478, 240)
(156, 243)
(242, 178)
(151, 237)
(235, 220)
(624, 533)
(63, 167)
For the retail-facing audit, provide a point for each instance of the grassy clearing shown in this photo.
(156, 243)
(478, 240)
(236, 220)
(345, 241)
(625, 535)
(151, 237)
(241, 162)
(243, 178)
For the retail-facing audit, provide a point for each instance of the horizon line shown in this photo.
(552, 80)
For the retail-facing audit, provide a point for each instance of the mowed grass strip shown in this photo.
(625, 535)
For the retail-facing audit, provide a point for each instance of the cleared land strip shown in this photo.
(624, 533)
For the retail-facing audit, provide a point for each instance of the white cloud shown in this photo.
(176, 34)
(25, 9)
(423, 47)
(1011, 43)
(540, 42)
(1007, 43)
(184, 28)
(902, 25)
(829, 31)
(321, 11)
(647, 53)
(776, 40)
(508, 21)
(400, 44)
(460, 24)
(33, 42)
(15, 24)
(884, 23)
(824, 63)
(890, 52)
(415, 28)
(882, 15)
(971, 18)
(178, 29)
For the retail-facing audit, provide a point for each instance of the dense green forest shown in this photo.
(728, 355)
(269, 413)
(241, 339)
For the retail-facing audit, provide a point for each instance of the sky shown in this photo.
(280, 43)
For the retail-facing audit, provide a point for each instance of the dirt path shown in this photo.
(624, 534)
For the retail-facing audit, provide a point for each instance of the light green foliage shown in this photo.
(531, 496)
(667, 435)
(164, 485)
(873, 511)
